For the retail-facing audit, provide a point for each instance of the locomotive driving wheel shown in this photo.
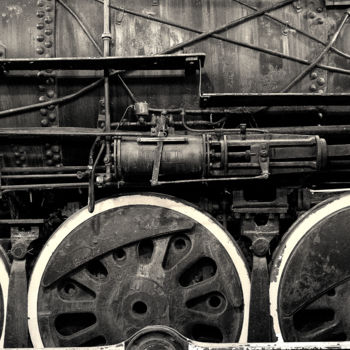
(310, 278)
(138, 260)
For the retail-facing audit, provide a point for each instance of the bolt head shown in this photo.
(44, 122)
(313, 87)
(260, 246)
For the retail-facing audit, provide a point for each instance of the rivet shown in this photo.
(43, 111)
(40, 74)
(55, 148)
(22, 158)
(40, 38)
(49, 154)
(42, 88)
(56, 157)
(50, 93)
(320, 91)
(40, 25)
(49, 81)
(48, 31)
(40, 14)
(313, 87)
(313, 75)
(39, 50)
(42, 99)
(320, 21)
(49, 162)
(48, 19)
(44, 122)
(51, 107)
(47, 55)
(17, 154)
(52, 116)
(18, 162)
(48, 8)
(49, 71)
(319, 9)
(312, 14)
(40, 3)
(48, 44)
(321, 81)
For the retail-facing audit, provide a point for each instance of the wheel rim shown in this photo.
(4, 283)
(310, 276)
(176, 280)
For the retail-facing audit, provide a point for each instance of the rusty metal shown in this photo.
(16, 331)
(173, 272)
(156, 62)
(316, 277)
(273, 99)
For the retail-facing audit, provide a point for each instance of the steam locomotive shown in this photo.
(174, 174)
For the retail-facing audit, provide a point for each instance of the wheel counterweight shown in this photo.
(309, 290)
(169, 263)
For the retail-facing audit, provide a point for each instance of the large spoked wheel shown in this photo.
(310, 279)
(155, 260)
(4, 284)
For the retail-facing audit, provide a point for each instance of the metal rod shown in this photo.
(10, 188)
(106, 36)
(227, 26)
(64, 132)
(38, 176)
(21, 221)
(308, 35)
(314, 62)
(60, 169)
(181, 26)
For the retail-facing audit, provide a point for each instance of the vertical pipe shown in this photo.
(106, 36)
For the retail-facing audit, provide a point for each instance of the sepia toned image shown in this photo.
(175, 174)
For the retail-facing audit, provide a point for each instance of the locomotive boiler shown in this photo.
(174, 174)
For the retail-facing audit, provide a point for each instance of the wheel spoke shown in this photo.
(84, 279)
(81, 337)
(202, 288)
(323, 332)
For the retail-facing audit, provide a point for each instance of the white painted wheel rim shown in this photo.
(293, 237)
(161, 201)
(4, 285)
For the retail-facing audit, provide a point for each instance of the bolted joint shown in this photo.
(260, 246)
(19, 250)
(106, 36)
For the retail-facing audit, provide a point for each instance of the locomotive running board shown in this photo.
(272, 99)
(156, 62)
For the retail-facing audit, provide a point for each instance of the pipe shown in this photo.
(106, 37)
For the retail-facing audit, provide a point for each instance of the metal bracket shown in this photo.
(16, 331)
(156, 165)
(259, 329)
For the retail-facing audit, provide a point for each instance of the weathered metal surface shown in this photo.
(277, 99)
(158, 62)
(313, 291)
(165, 268)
